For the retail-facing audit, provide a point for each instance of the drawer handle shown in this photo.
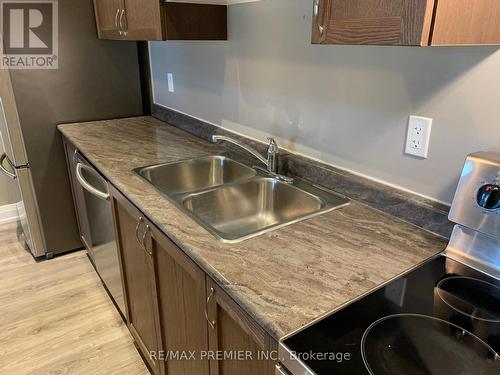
(139, 223)
(143, 243)
(210, 295)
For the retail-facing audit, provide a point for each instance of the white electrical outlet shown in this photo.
(170, 81)
(418, 136)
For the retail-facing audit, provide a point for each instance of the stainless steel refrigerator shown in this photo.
(95, 80)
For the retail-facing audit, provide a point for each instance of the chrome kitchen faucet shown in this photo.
(271, 162)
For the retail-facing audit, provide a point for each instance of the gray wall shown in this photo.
(345, 105)
(96, 79)
(9, 192)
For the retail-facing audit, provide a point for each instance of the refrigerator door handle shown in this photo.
(11, 175)
(92, 190)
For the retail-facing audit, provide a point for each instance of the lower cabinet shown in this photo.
(181, 300)
(174, 309)
(246, 347)
(139, 283)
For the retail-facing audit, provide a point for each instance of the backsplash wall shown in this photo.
(344, 105)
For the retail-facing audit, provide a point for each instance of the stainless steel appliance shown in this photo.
(443, 317)
(15, 165)
(102, 245)
(95, 80)
(476, 210)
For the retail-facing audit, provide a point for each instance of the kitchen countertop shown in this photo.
(286, 278)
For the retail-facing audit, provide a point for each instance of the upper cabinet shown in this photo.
(159, 20)
(466, 22)
(142, 20)
(406, 22)
(107, 14)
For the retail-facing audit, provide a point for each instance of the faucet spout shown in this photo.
(248, 149)
(271, 162)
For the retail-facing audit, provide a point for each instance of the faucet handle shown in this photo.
(272, 156)
(273, 146)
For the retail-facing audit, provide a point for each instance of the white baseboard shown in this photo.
(8, 213)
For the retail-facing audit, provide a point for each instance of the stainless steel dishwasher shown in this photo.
(102, 242)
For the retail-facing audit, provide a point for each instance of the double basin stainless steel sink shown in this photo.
(234, 202)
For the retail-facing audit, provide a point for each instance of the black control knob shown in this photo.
(489, 197)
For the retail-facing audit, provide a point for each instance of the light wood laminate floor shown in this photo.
(56, 318)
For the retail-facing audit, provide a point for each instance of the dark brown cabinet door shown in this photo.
(108, 13)
(466, 22)
(187, 21)
(143, 20)
(138, 278)
(374, 22)
(181, 299)
(231, 330)
(160, 20)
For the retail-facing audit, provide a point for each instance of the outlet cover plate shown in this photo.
(418, 136)
(170, 82)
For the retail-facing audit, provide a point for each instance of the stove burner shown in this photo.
(416, 344)
(474, 298)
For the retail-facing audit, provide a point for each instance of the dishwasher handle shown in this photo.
(92, 190)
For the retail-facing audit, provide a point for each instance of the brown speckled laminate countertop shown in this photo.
(285, 278)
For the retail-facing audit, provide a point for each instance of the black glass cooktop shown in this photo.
(442, 318)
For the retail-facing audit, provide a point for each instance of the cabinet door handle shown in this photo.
(144, 245)
(75, 156)
(280, 370)
(316, 8)
(317, 14)
(210, 295)
(122, 29)
(116, 20)
(139, 223)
